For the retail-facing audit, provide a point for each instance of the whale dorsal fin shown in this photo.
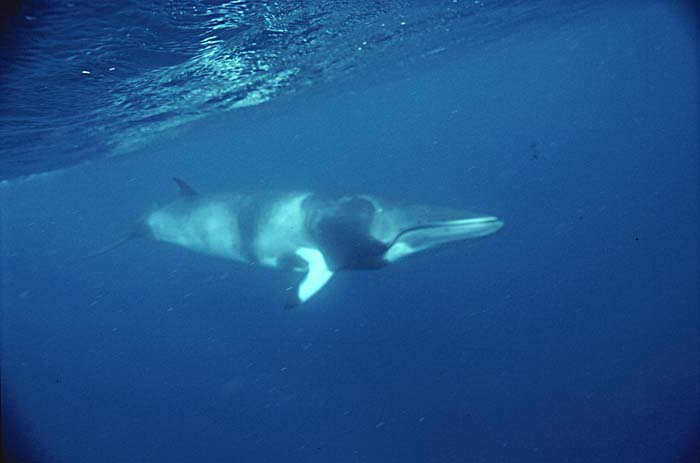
(185, 189)
(315, 279)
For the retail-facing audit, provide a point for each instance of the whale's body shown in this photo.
(309, 232)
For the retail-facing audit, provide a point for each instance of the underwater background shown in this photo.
(569, 336)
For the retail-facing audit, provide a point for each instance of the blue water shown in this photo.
(572, 335)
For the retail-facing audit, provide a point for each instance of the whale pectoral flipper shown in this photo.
(316, 277)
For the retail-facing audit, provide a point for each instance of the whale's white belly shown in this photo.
(284, 230)
(211, 229)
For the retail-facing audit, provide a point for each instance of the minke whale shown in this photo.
(310, 233)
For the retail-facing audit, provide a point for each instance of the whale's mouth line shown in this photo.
(489, 223)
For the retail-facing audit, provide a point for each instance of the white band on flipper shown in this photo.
(317, 276)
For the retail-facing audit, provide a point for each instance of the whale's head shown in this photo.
(407, 229)
(365, 232)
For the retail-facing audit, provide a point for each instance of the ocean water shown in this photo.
(571, 335)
